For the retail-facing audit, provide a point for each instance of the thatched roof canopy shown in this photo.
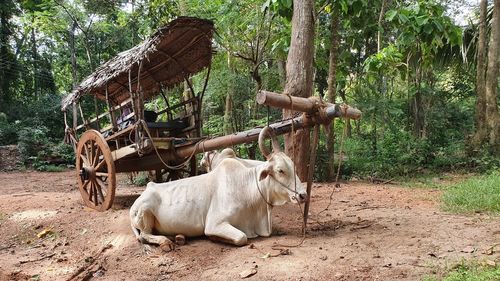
(179, 49)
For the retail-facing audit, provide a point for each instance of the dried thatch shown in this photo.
(177, 50)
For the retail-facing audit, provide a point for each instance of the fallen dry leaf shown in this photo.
(267, 255)
(44, 232)
(490, 263)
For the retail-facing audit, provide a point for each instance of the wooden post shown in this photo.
(110, 109)
(75, 117)
(97, 114)
(312, 162)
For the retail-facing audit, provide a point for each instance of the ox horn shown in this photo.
(276, 146)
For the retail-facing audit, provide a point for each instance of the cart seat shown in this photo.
(169, 125)
(167, 129)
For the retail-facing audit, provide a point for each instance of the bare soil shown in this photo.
(369, 232)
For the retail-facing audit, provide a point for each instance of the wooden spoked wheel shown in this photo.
(95, 171)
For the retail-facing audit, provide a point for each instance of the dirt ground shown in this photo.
(370, 232)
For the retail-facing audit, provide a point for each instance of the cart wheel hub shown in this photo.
(87, 173)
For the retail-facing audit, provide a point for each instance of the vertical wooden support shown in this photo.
(81, 114)
(111, 112)
(310, 173)
(96, 109)
(75, 117)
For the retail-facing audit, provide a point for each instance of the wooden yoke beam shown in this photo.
(326, 111)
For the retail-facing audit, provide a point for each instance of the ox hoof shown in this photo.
(180, 239)
(167, 246)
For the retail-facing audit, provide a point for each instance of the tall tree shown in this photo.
(299, 78)
(480, 113)
(8, 62)
(492, 117)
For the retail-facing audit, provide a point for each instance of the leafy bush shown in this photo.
(32, 142)
(8, 133)
(397, 154)
(41, 152)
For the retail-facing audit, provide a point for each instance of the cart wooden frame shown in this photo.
(120, 131)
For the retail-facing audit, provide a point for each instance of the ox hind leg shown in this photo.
(144, 221)
(225, 232)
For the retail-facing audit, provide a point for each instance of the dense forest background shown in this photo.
(409, 66)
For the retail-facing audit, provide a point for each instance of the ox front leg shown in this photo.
(226, 233)
(145, 222)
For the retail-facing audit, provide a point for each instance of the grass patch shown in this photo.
(430, 180)
(469, 272)
(51, 168)
(475, 195)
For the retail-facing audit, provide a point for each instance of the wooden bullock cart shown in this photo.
(122, 135)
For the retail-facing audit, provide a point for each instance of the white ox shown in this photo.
(231, 203)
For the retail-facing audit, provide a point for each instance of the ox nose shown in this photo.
(302, 197)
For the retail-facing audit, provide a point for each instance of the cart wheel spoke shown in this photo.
(91, 190)
(96, 156)
(85, 184)
(102, 184)
(85, 160)
(99, 192)
(95, 195)
(101, 174)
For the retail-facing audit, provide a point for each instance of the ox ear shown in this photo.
(267, 171)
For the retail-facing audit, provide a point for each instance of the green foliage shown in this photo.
(35, 71)
(477, 194)
(469, 271)
(141, 179)
(8, 133)
(40, 151)
(32, 140)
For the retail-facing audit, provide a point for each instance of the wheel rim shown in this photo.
(95, 171)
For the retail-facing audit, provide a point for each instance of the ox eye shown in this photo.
(281, 171)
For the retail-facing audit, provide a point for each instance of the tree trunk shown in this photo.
(299, 78)
(34, 56)
(492, 117)
(229, 101)
(332, 90)
(73, 55)
(418, 109)
(382, 79)
(480, 114)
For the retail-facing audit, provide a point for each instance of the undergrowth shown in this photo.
(469, 271)
(477, 194)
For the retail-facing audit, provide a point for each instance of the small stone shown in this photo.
(323, 258)
(247, 273)
(180, 239)
(468, 249)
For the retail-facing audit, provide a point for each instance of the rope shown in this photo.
(175, 167)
